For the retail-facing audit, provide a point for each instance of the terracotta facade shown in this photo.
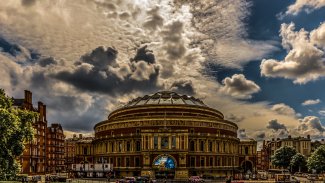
(166, 135)
(55, 149)
(33, 159)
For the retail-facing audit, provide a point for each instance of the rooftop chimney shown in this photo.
(28, 100)
(80, 136)
(322, 140)
(289, 136)
(308, 136)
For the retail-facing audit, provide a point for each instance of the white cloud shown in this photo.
(223, 33)
(310, 102)
(321, 112)
(283, 109)
(239, 87)
(305, 5)
(63, 31)
(305, 59)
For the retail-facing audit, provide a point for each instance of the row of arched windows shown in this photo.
(213, 146)
(118, 146)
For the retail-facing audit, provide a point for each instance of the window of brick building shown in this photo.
(192, 161)
(137, 162)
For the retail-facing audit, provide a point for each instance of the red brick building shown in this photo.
(55, 149)
(33, 159)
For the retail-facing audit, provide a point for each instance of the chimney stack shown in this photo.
(28, 99)
(80, 136)
(289, 136)
(308, 136)
(44, 112)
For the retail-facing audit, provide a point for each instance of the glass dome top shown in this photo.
(165, 98)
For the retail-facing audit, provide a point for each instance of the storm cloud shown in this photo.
(98, 71)
(275, 125)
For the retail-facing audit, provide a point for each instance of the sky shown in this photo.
(260, 62)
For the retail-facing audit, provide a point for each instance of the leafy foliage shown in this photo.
(298, 161)
(317, 159)
(15, 129)
(282, 156)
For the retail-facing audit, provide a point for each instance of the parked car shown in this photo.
(298, 174)
(195, 179)
(210, 177)
(130, 179)
(143, 179)
(294, 180)
(312, 177)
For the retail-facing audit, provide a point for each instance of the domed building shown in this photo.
(168, 135)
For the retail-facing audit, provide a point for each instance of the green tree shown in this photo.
(282, 156)
(15, 129)
(298, 161)
(317, 159)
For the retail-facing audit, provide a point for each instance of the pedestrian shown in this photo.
(228, 180)
(108, 178)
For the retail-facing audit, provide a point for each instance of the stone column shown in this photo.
(178, 145)
(159, 142)
(169, 141)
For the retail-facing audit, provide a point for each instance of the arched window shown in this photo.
(138, 145)
(112, 146)
(218, 150)
(246, 150)
(202, 145)
(119, 146)
(128, 146)
(210, 146)
(224, 147)
(146, 142)
(192, 146)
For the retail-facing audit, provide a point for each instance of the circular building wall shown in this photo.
(171, 126)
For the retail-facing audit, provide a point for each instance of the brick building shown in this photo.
(70, 150)
(55, 148)
(33, 159)
(303, 145)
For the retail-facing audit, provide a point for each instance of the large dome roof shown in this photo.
(165, 98)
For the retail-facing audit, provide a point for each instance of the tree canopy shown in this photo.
(15, 129)
(317, 159)
(282, 156)
(298, 161)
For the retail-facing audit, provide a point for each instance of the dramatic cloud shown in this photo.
(305, 5)
(183, 87)
(305, 60)
(223, 33)
(321, 112)
(145, 55)
(242, 134)
(239, 87)
(57, 53)
(283, 109)
(311, 125)
(154, 19)
(98, 71)
(260, 136)
(275, 125)
(310, 102)
(234, 118)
